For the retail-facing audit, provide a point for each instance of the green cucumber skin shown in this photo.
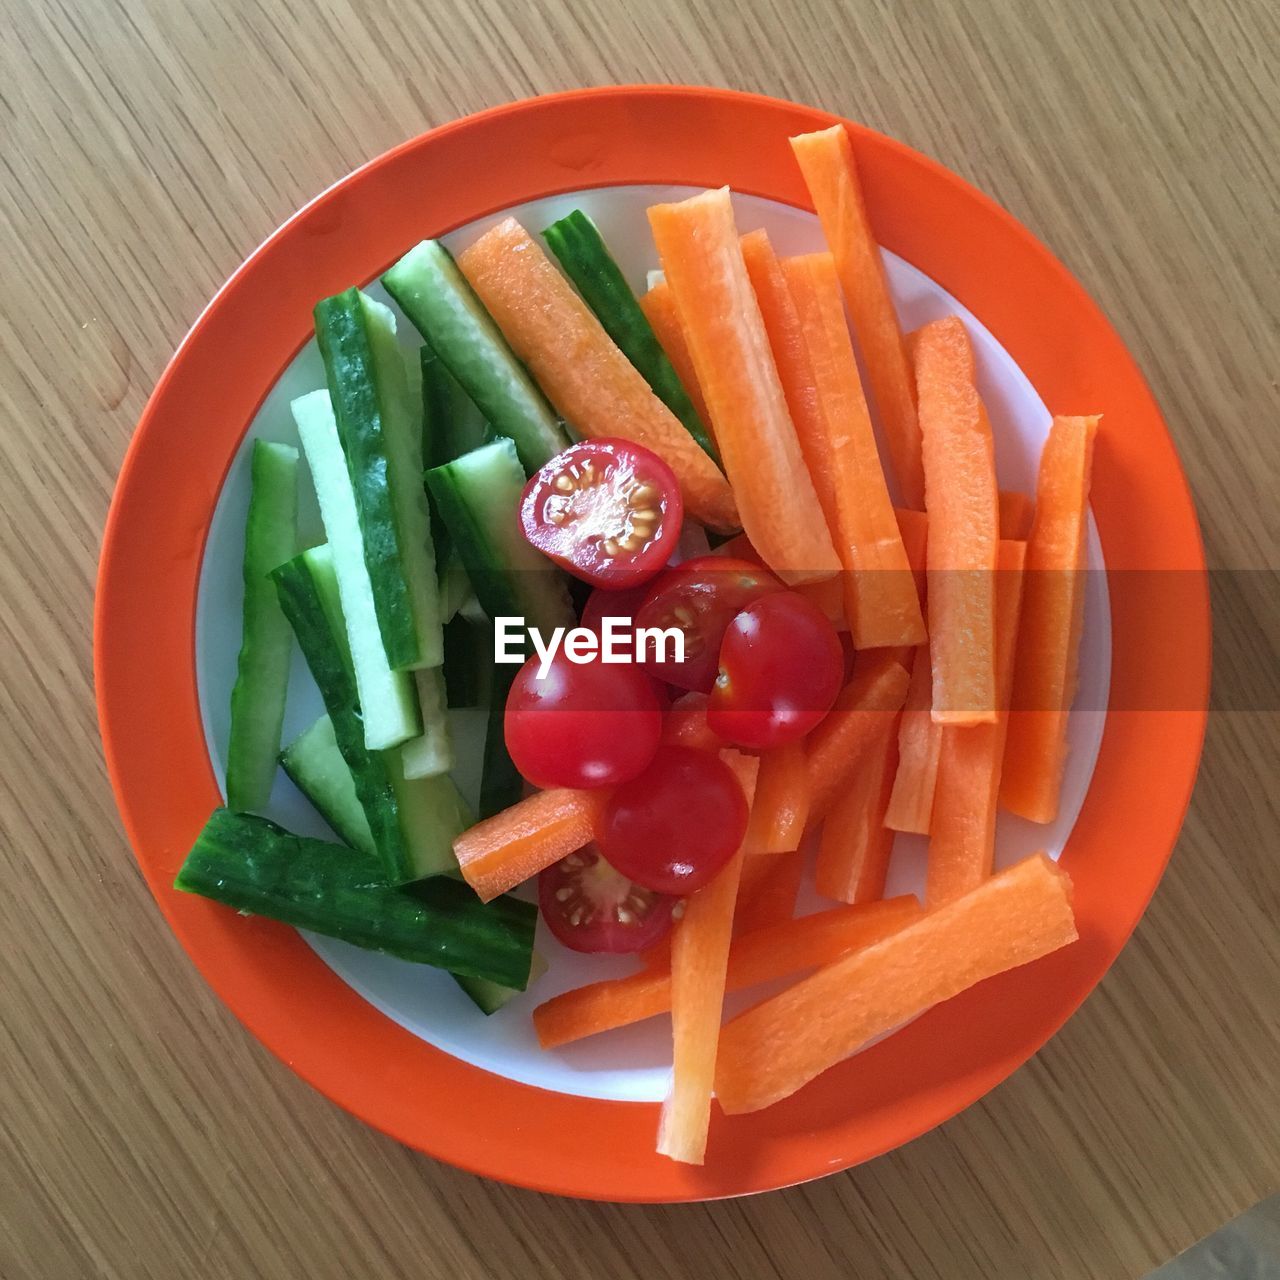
(433, 815)
(262, 675)
(315, 765)
(369, 390)
(254, 866)
(500, 782)
(452, 425)
(462, 659)
(488, 996)
(586, 260)
(431, 753)
(307, 589)
(479, 497)
(443, 307)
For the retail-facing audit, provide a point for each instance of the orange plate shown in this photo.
(145, 614)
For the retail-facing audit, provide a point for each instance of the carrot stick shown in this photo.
(919, 742)
(685, 723)
(880, 596)
(962, 835)
(830, 172)
(1044, 670)
(767, 892)
(866, 707)
(781, 805)
(580, 368)
(770, 1051)
(1016, 514)
(853, 856)
(511, 847)
(699, 964)
(659, 309)
(960, 499)
(702, 259)
(914, 528)
(762, 955)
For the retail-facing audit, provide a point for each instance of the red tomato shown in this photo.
(603, 604)
(685, 724)
(591, 907)
(700, 598)
(609, 511)
(588, 724)
(673, 827)
(781, 666)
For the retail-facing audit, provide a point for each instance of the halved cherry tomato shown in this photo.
(781, 666)
(673, 827)
(588, 724)
(591, 907)
(609, 511)
(700, 598)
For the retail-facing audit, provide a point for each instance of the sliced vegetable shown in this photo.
(763, 955)
(500, 782)
(867, 706)
(388, 702)
(577, 364)
(698, 244)
(856, 845)
(880, 595)
(381, 437)
(254, 866)
(435, 296)
(962, 835)
(1044, 671)
(608, 511)
(431, 752)
(1016, 514)
(582, 252)
(770, 1051)
(659, 307)
(451, 423)
(478, 496)
(581, 724)
(959, 461)
(768, 890)
(432, 815)
(315, 765)
(464, 659)
(488, 996)
(919, 741)
(685, 724)
(513, 846)
(699, 963)
(262, 676)
(830, 172)
(781, 806)
(591, 907)
(676, 825)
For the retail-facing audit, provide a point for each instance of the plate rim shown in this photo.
(617, 134)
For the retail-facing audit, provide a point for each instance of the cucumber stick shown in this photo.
(254, 866)
(388, 699)
(488, 996)
(436, 297)
(257, 701)
(586, 260)
(464, 658)
(315, 764)
(451, 423)
(478, 495)
(380, 430)
(430, 753)
(500, 782)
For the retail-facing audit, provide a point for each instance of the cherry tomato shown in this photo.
(700, 598)
(609, 511)
(591, 907)
(685, 724)
(781, 666)
(673, 827)
(589, 724)
(603, 604)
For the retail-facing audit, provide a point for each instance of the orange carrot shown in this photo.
(880, 596)
(506, 850)
(699, 963)
(853, 858)
(1016, 514)
(914, 527)
(685, 724)
(659, 309)
(960, 498)
(770, 1051)
(577, 364)
(781, 805)
(1044, 670)
(763, 955)
(738, 548)
(767, 892)
(962, 834)
(702, 259)
(831, 174)
(867, 706)
(919, 741)
(828, 595)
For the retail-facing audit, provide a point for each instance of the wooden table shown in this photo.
(145, 151)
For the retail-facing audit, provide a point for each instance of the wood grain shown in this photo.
(146, 147)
